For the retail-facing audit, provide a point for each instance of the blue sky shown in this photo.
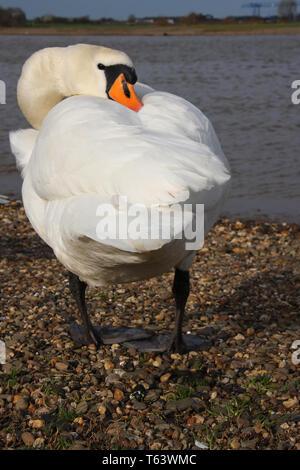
(120, 9)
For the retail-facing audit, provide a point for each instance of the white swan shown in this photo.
(86, 150)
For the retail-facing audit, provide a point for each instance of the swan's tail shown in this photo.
(22, 143)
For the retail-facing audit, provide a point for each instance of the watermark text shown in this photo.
(124, 221)
(296, 353)
(2, 352)
(296, 94)
(2, 92)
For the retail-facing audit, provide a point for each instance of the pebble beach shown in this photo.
(242, 392)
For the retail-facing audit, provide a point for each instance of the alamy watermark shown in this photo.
(296, 94)
(2, 352)
(124, 221)
(2, 92)
(296, 353)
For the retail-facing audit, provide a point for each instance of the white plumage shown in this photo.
(89, 150)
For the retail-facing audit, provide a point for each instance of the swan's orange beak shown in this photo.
(123, 92)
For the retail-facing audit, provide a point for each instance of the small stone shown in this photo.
(239, 337)
(61, 366)
(264, 317)
(242, 422)
(258, 428)
(7, 397)
(7, 368)
(191, 420)
(82, 407)
(159, 317)
(42, 411)
(38, 443)
(36, 423)
(290, 403)
(119, 372)
(199, 419)
(22, 404)
(198, 404)
(171, 405)
(157, 361)
(152, 395)
(175, 356)
(138, 405)
(118, 394)
(156, 446)
(184, 404)
(102, 409)
(200, 445)
(235, 445)
(78, 420)
(284, 426)
(108, 365)
(27, 438)
(250, 444)
(164, 378)
(112, 379)
(238, 224)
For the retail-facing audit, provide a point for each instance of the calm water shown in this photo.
(242, 83)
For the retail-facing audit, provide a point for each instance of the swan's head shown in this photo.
(103, 72)
(52, 74)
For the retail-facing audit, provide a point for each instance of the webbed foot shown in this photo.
(108, 334)
(163, 343)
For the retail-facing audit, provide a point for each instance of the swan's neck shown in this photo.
(41, 85)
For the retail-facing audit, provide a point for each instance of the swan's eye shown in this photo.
(101, 66)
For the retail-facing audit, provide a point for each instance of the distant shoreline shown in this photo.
(150, 30)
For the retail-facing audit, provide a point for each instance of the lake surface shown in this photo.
(242, 83)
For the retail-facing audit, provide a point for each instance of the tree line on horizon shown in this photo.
(12, 17)
(16, 17)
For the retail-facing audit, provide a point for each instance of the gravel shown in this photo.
(241, 393)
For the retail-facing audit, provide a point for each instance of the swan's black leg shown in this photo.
(88, 336)
(181, 290)
(177, 342)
